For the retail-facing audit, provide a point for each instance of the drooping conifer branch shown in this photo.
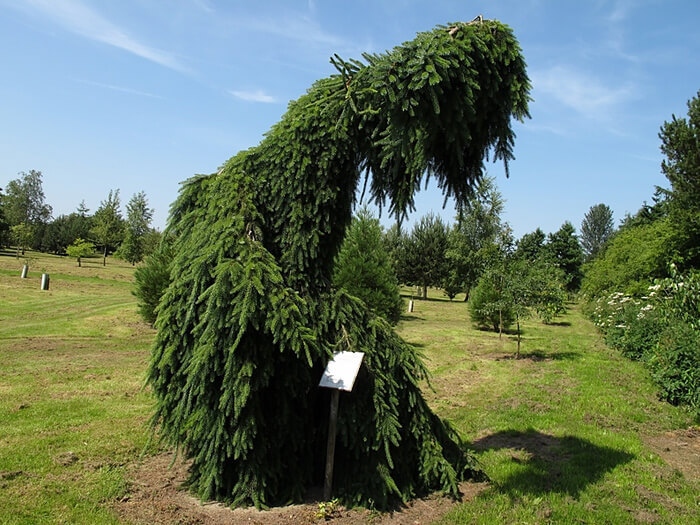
(250, 319)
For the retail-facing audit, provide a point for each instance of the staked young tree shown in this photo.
(424, 253)
(250, 319)
(138, 219)
(80, 248)
(596, 228)
(108, 224)
(364, 269)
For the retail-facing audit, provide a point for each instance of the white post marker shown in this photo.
(340, 374)
(44, 281)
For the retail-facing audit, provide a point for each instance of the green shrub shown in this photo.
(632, 259)
(487, 307)
(640, 334)
(151, 281)
(675, 364)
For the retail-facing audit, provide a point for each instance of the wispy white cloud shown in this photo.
(583, 93)
(254, 96)
(619, 10)
(288, 25)
(121, 89)
(204, 5)
(78, 18)
(544, 128)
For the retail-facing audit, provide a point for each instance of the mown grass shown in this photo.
(560, 432)
(73, 412)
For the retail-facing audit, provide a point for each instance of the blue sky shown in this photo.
(142, 94)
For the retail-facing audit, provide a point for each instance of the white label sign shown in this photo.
(342, 371)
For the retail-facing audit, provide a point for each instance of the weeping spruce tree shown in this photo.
(250, 319)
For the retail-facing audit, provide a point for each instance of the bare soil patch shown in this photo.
(680, 449)
(157, 497)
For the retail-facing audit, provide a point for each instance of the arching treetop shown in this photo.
(436, 105)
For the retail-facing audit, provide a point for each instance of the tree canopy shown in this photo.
(250, 319)
(596, 228)
(424, 253)
(363, 268)
(24, 200)
(680, 143)
(564, 250)
(108, 224)
(136, 226)
(472, 239)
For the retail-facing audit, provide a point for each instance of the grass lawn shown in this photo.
(569, 433)
(72, 408)
(561, 432)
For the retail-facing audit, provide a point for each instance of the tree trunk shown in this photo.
(500, 323)
(517, 353)
(425, 291)
(78, 262)
(104, 257)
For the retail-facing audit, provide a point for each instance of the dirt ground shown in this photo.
(680, 449)
(157, 497)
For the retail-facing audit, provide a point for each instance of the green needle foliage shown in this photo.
(250, 319)
(364, 270)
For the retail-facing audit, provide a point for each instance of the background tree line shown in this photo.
(27, 222)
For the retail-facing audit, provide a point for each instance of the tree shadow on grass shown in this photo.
(538, 355)
(558, 323)
(566, 465)
(408, 318)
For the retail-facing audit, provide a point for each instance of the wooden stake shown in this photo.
(330, 450)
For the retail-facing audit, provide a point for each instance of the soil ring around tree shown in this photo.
(157, 496)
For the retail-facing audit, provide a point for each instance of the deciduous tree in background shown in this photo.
(108, 225)
(25, 206)
(469, 240)
(596, 228)
(80, 248)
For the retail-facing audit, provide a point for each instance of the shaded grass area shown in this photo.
(560, 431)
(72, 408)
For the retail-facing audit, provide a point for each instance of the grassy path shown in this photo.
(561, 431)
